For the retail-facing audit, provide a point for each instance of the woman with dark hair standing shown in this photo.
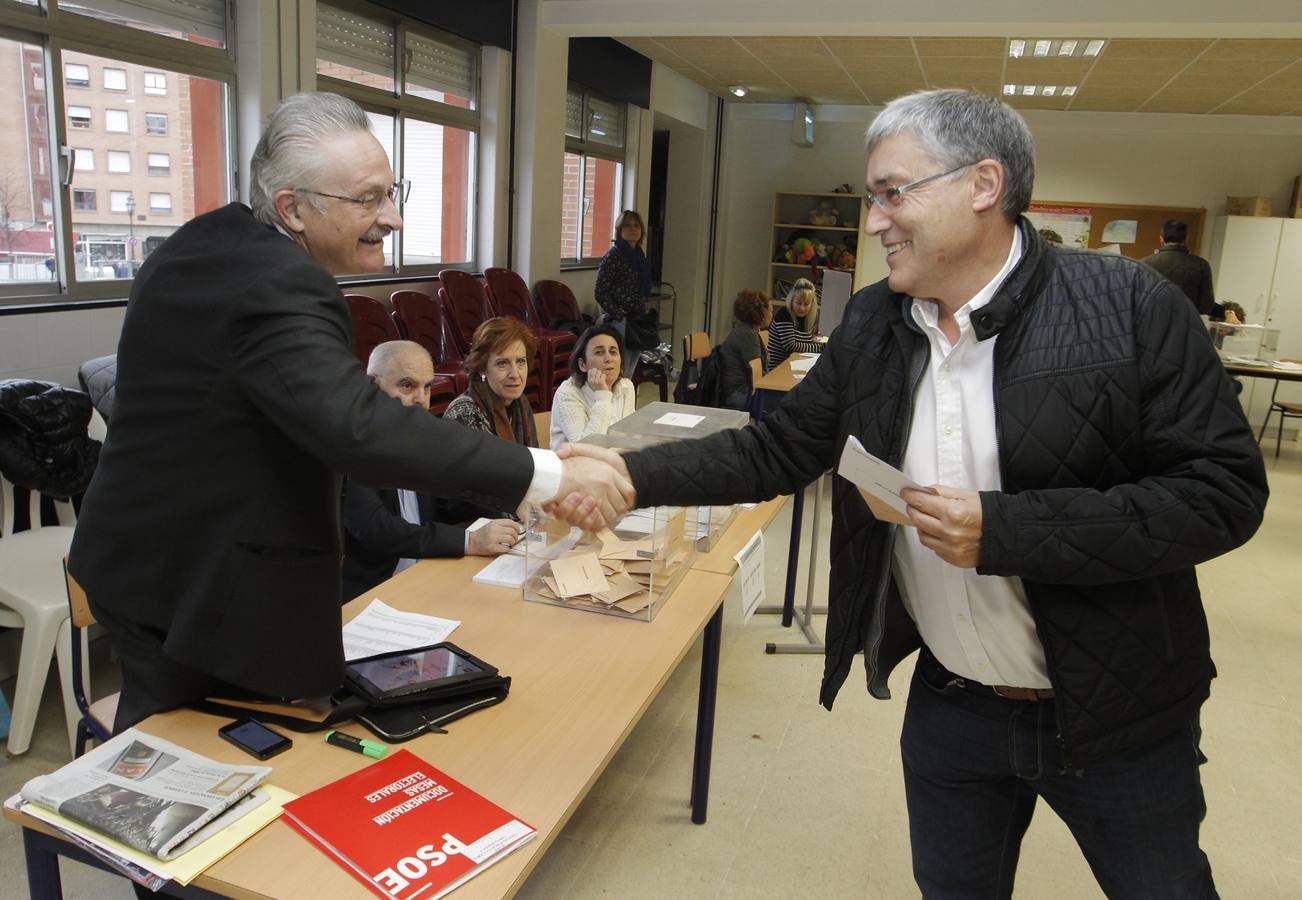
(624, 281)
(596, 394)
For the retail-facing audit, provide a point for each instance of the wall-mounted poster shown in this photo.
(1120, 231)
(1070, 224)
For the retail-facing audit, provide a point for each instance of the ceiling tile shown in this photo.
(885, 91)
(1020, 102)
(1290, 77)
(986, 47)
(1106, 103)
(1255, 49)
(1143, 48)
(888, 70)
(1047, 71)
(1110, 71)
(950, 72)
(1242, 71)
(1243, 107)
(785, 47)
(869, 47)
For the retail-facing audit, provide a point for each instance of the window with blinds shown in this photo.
(200, 21)
(421, 91)
(594, 125)
(592, 178)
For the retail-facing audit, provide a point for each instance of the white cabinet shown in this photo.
(1257, 263)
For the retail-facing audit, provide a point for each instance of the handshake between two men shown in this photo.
(595, 487)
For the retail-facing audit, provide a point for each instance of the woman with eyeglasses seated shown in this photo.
(624, 282)
(596, 394)
(752, 313)
(795, 326)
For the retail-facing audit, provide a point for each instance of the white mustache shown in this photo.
(377, 234)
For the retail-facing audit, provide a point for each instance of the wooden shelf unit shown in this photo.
(791, 211)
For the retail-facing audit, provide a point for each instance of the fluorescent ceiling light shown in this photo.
(737, 90)
(1093, 48)
(1042, 48)
(1067, 48)
(1028, 90)
(1049, 90)
(1010, 89)
(1063, 48)
(1016, 48)
(1069, 90)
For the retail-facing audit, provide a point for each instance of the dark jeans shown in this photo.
(974, 764)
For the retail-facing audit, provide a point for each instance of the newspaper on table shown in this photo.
(147, 793)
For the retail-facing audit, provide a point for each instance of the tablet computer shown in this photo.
(410, 674)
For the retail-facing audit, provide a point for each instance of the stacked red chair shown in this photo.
(509, 296)
(371, 325)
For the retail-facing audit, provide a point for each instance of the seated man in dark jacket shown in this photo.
(387, 530)
(1084, 453)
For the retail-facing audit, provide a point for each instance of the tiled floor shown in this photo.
(807, 803)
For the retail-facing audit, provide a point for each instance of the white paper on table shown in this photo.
(509, 570)
(877, 480)
(804, 364)
(382, 629)
(680, 420)
(750, 574)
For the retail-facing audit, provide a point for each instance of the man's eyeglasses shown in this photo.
(891, 197)
(397, 192)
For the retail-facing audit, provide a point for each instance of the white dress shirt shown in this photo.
(978, 626)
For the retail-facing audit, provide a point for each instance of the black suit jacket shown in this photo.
(213, 518)
(376, 536)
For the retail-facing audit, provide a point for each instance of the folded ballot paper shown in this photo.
(878, 481)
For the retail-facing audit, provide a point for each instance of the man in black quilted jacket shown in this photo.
(1191, 273)
(1085, 453)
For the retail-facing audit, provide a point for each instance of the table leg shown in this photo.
(42, 867)
(711, 639)
(793, 556)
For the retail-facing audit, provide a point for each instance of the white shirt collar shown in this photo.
(927, 312)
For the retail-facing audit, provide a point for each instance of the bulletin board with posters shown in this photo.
(1134, 231)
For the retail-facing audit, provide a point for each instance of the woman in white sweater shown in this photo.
(596, 394)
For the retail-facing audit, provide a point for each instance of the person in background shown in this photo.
(1191, 274)
(794, 326)
(1082, 452)
(624, 281)
(208, 542)
(386, 530)
(596, 394)
(752, 313)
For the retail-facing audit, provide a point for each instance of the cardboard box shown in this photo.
(1247, 206)
(1295, 203)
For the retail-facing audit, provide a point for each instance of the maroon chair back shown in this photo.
(508, 295)
(466, 303)
(442, 393)
(371, 325)
(425, 322)
(554, 300)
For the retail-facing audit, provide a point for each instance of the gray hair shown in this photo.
(958, 127)
(386, 355)
(288, 153)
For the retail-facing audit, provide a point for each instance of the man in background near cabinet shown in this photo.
(1083, 453)
(209, 541)
(387, 531)
(1190, 273)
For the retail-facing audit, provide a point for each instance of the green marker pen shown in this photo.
(357, 745)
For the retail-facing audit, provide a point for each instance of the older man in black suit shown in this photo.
(209, 540)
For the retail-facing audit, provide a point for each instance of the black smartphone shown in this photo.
(254, 738)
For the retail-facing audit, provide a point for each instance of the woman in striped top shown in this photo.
(793, 329)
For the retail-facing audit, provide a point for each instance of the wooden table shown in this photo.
(580, 682)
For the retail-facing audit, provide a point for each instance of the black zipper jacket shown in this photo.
(1126, 461)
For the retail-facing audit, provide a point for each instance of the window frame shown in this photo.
(585, 149)
(154, 92)
(126, 121)
(160, 209)
(401, 106)
(161, 170)
(55, 31)
(80, 82)
(149, 130)
(104, 78)
(94, 199)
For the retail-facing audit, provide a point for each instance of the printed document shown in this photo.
(878, 481)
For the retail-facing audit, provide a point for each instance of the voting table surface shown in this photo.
(580, 683)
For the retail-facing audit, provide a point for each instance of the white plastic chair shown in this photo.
(33, 597)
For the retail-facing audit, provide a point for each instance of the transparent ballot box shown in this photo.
(707, 522)
(627, 571)
(1245, 343)
(658, 422)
